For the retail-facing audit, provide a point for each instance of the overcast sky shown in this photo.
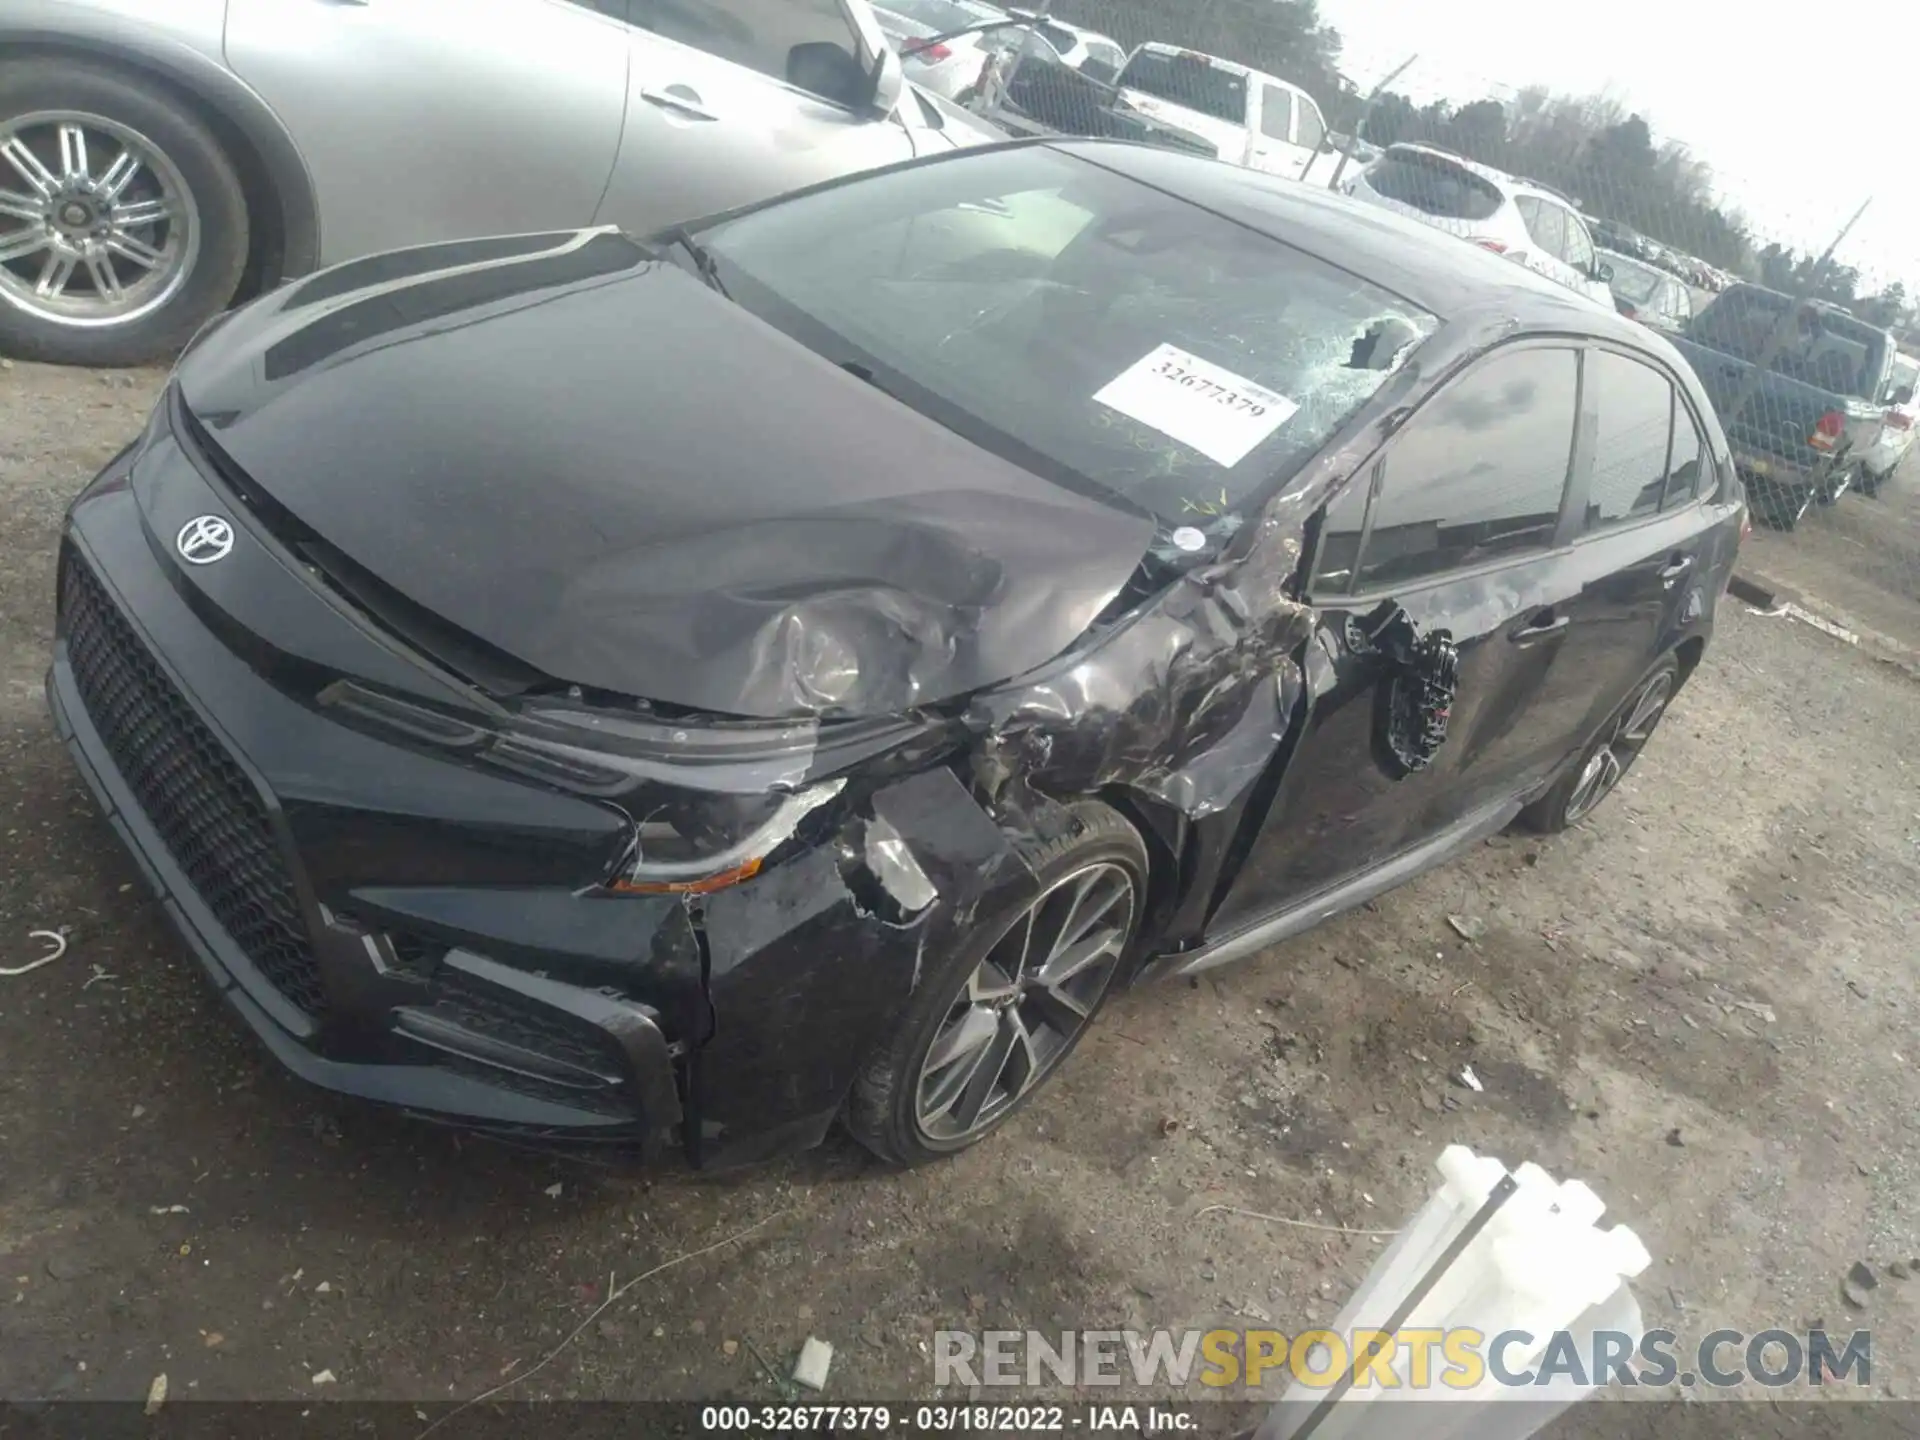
(1737, 83)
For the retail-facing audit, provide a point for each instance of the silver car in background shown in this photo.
(159, 158)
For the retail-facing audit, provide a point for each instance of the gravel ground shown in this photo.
(1702, 1004)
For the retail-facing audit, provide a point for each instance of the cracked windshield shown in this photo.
(1041, 304)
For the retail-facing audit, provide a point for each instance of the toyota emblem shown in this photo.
(204, 539)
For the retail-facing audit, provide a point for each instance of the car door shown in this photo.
(1284, 115)
(1455, 523)
(734, 101)
(424, 120)
(1635, 557)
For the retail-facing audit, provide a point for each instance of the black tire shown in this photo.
(208, 175)
(1838, 484)
(1555, 811)
(1870, 483)
(882, 1110)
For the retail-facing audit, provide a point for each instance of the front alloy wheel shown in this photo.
(991, 1022)
(1025, 1004)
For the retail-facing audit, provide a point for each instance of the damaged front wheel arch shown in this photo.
(987, 1002)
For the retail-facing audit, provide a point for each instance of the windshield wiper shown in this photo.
(704, 265)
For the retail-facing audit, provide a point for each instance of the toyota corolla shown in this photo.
(683, 692)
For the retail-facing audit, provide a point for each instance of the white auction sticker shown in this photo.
(1218, 413)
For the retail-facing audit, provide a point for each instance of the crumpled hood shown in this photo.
(580, 454)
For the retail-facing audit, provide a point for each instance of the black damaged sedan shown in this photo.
(682, 693)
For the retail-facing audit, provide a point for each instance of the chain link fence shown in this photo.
(1810, 362)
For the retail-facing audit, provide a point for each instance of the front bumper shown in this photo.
(409, 928)
(402, 1017)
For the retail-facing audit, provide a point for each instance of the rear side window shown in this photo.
(1634, 409)
(1276, 112)
(1313, 129)
(1579, 247)
(1546, 224)
(1478, 473)
(1434, 185)
(1684, 465)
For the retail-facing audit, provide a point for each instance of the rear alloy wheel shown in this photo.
(994, 1022)
(122, 222)
(1608, 757)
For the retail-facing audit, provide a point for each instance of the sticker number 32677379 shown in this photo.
(1212, 389)
(1216, 412)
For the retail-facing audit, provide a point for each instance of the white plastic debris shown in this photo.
(57, 938)
(167, 1210)
(157, 1394)
(1539, 1265)
(810, 1369)
(324, 1377)
(1470, 1080)
(553, 1190)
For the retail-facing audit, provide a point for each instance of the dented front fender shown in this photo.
(811, 964)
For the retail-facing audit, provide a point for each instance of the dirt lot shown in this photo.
(1703, 1004)
(1858, 559)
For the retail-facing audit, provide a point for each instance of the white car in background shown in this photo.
(1883, 457)
(1251, 118)
(949, 68)
(1530, 226)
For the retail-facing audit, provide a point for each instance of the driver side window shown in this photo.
(805, 43)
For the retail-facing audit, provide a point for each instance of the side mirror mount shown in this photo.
(889, 83)
(1603, 272)
(831, 72)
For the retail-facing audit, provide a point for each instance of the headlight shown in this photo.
(693, 844)
(710, 802)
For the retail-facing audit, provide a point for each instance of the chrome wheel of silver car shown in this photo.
(1610, 759)
(1023, 1006)
(96, 225)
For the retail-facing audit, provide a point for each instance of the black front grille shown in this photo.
(192, 791)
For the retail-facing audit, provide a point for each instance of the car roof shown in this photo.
(1439, 272)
